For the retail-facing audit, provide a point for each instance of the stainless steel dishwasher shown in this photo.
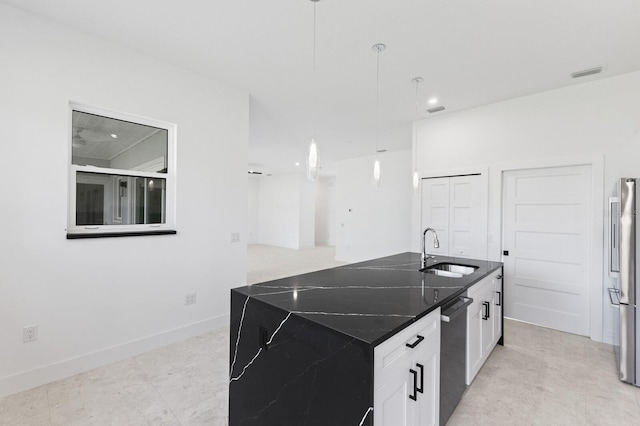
(453, 343)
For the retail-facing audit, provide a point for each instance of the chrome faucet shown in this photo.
(436, 244)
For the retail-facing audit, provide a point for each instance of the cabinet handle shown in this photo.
(499, 298)
(415, 385)
(414, 344)
(485, 316)
(498, 277)
(421, 388)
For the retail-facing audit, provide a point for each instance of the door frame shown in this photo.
(596, 231)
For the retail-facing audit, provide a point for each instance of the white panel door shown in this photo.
(454, 207)
(546, 221)
(435, 213)
(467, 233)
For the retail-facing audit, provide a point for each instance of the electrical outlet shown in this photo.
(190, 298)
(235, 237)
(30, 333)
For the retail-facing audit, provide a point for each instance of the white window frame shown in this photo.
(169, 226)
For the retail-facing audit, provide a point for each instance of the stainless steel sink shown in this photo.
(452, 270)
(441, 273)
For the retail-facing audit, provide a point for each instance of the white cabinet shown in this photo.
(407, 375)
(484, 322)
(456, 208)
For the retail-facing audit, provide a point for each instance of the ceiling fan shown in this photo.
(81, 137)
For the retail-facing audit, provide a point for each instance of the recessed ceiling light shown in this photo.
(113, 135)
(433, 101)
(297, 164)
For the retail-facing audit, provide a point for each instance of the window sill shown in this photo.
(120, 234)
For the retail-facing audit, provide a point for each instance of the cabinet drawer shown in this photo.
(392, 355)
(482, 285)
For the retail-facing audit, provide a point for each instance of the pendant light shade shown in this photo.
(312, 161)
(377, 174)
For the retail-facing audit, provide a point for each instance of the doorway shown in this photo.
(547, 246)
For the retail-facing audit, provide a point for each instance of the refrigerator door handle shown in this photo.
(614, 243)
(616, 292)
(627, 241)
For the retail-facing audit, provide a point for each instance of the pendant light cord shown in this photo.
(313, 78)
(377, 99)
(415, 129)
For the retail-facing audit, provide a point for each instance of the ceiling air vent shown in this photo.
(584, 73)
(436, 109)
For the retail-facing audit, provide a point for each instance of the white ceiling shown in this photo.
(470, 52)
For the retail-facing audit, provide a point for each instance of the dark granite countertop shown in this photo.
(372, 300)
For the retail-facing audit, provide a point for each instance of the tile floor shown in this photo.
(540, 377)
(547, 377)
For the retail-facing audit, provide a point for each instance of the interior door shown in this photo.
(546, 243)
(455, 206)
(435, 213)
(467, 232)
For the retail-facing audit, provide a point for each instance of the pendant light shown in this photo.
(313, 160)
(416, 177)
(377, 172)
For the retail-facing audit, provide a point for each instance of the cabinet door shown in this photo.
(481, 326)
(407, 375)
(474, 339)
(488, 321)
(392, 403)
(498, 307)
(427, 409)
(412, 397)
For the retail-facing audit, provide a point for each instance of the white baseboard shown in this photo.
(59, 370)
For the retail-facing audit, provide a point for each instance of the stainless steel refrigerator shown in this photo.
(624, 259)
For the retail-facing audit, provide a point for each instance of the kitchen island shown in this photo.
(302, 347)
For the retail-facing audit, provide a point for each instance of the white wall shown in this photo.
(316, 216)
(99, 300)
(373, 223)
(307, 213)
(326, 211)
(596, 122)
(253, 196)
(286, 213)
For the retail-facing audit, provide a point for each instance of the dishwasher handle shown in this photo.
(448, 315)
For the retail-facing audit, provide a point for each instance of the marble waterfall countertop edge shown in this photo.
(372, 300)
